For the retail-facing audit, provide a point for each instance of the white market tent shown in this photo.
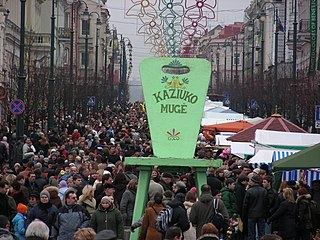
(275, 138)
(266, 154)
(216, 113)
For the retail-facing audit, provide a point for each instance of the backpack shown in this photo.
(218, 218)
(163, 219)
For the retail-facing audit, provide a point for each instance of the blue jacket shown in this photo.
(44, 213)
(68, 220)
(19, 226)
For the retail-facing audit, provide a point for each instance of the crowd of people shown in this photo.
(73, 183)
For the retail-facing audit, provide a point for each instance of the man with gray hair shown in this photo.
(37, 230)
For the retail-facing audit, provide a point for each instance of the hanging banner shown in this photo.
(313, 37)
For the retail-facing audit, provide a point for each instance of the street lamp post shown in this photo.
(22, 76)
(252, 53)
(231, 63)
(235, 43)
(225, 64)
(107, 32)
(218, 70)
(106, 69)
(294, 67)
(84, 103)
(51, 84)
(243, 74)
(71, 93)
(98, 25)
(111, 82)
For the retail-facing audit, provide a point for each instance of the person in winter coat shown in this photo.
(7, 204)
(255, 208)
(127, 202)
(5, 229)
(120, 182)
(87, 200)
(69, 218)
(148, 229)
(54, 196)
(191, 198)
(37, 230)
(304, 215)
(44, 211)
(228, 197)
(63, 186)
(202, 211)
(209, 232)
(107, 217)
(179, 214)
(286, 215)
(19, 221)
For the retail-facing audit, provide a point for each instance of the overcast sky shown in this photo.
(228, 11)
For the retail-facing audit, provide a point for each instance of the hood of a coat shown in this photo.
(206, 198)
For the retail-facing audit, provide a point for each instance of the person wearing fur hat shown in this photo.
(54, 196)
(71, 217)
(44, 211)
(19, 221)
(107, 217)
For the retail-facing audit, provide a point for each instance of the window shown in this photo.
(85, 27)
(83, 59)
(67, 21)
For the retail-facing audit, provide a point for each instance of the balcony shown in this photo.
(64, 33)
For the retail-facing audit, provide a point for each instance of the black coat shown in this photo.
(179, 215)
(240, 192)
(287, 219)
(255, 203)
(214, 183)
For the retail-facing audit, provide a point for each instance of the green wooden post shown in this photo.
(200, 177)
(141, 196)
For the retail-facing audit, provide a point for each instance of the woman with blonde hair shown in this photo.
(286, 216)
(84, 234)
(87, 200)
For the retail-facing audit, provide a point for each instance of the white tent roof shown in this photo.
(266, 155)
(286, 138)
(242, 148)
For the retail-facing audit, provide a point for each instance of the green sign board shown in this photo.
(174, 90)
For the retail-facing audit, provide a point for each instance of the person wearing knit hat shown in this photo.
(45, 193)
(179, 187)
(19, 221)
(107, 212)
(44, 211)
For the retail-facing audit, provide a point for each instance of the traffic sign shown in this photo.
(91, 101)
(17, 106)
